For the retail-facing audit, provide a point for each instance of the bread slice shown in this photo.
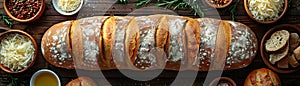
(275, 57)
(108, 34)
(292, 61)
(82, 81)
(294, 41)
(283, 63)
(132, 40)
(296, 52)
(277, 41)
(192, 30)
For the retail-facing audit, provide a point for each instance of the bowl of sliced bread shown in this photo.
(280, 48)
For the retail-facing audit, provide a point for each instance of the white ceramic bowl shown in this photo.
(43, 71)
(54, 3)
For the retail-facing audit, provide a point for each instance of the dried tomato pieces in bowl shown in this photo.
(24, 10)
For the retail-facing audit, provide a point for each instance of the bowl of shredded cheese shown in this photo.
(67, 7)
(266, 11)
(18, 51)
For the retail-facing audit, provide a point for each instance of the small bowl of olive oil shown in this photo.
(44, 77)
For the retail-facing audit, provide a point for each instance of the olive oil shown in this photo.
(45, 79)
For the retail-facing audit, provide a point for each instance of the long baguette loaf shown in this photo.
(152, 42)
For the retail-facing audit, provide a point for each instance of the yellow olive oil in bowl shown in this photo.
(44, 77)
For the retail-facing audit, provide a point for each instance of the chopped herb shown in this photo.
(142, 2)
(16, 82)
(6, 20)
(232, 9)
(179, 4)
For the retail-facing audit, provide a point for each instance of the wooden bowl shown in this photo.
(37, 16)
(265, 55)
(227, 80)
(33, 42)
(285, 6)
(217, 6)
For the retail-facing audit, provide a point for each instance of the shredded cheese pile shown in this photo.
(265, 9)
(16, 51)
(68, 5)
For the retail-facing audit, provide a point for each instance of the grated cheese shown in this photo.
(16, 51)
(265, 9)
(68, 5)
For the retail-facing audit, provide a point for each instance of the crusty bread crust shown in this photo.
(76, 38)
(262, 77)
(132, 39)
(87, 43)
(108, 34)
(82, 81)
(149, 55)
(176, 44)
(192, 31)
(56, 45)
(148, 44)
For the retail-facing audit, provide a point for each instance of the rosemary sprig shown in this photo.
(289, 3)
(6, 20)
(179, 4)
(16, 82)
(232, 9)
(142, 2)
(195, 7)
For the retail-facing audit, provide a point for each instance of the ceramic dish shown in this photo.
(45, 76)
(4, 34)
(55, 5)
(265, 55)
(31, 19)
(280, 15)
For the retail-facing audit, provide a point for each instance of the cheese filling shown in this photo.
(17, 51)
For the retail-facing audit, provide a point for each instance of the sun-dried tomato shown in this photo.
(24, 9)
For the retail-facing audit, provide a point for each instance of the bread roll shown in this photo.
(155, 42)
(262, 77)
(82, 81)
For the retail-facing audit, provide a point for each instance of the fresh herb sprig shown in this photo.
(142, 2)
(6, 20)
(175, 5)
(289, 3)
(16, 82)
(232, 9)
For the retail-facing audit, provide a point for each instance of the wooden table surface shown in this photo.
(108, 7)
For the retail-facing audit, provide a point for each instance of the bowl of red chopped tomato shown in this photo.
(24, 10)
